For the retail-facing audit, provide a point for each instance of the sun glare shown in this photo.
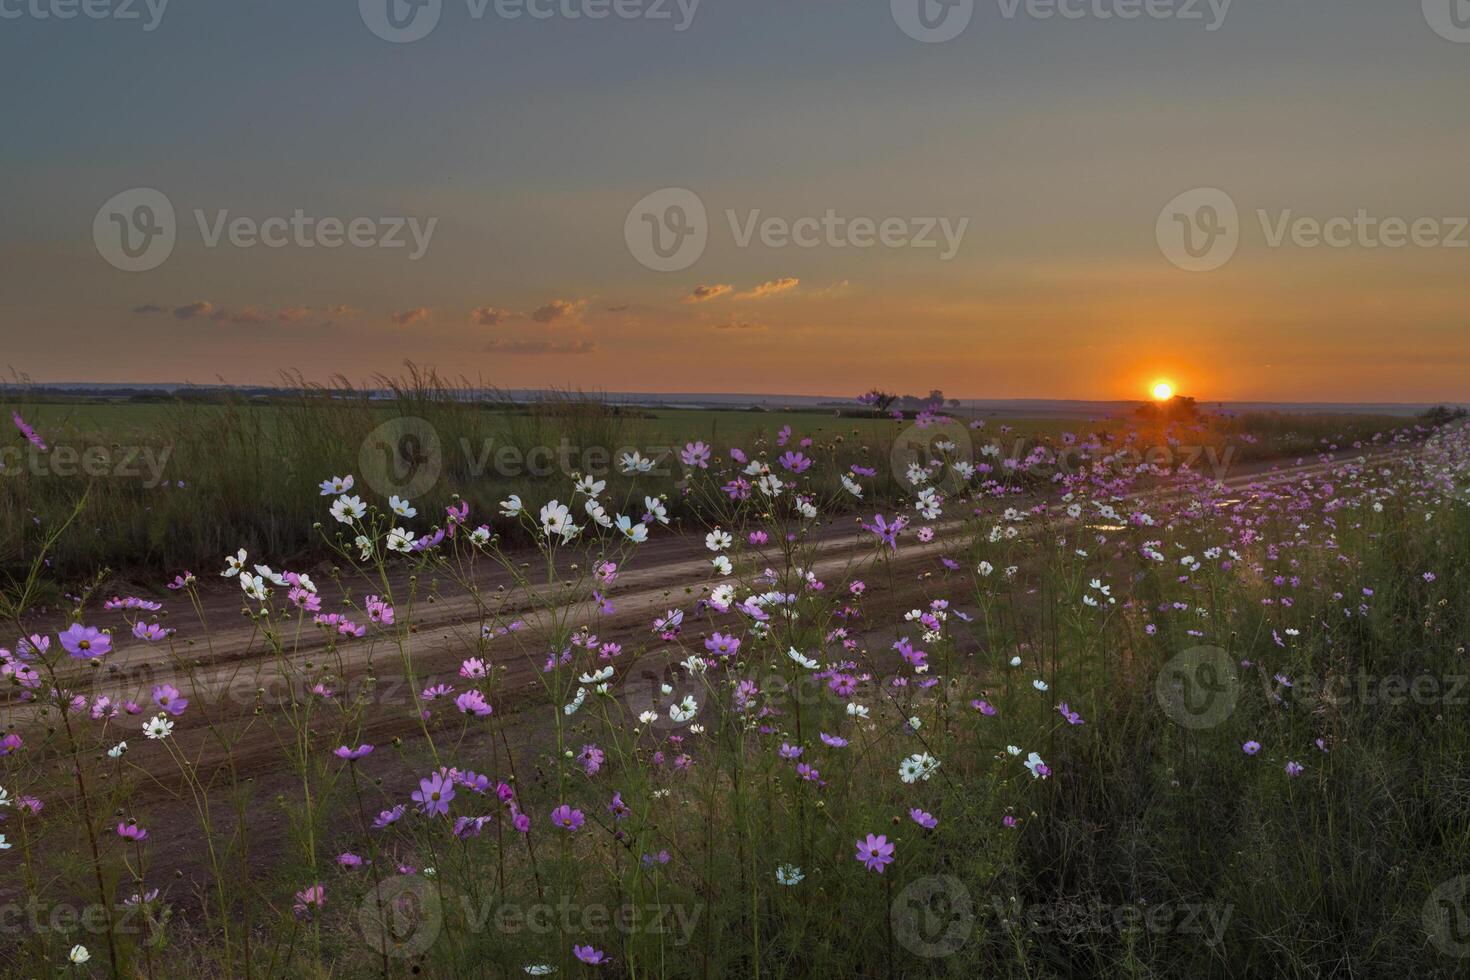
(1163, 391)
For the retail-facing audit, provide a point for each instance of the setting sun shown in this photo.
(1163, 391)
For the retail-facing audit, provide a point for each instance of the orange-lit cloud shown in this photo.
(768, 289)
(703, 294)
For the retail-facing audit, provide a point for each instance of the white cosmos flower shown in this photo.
(116, 752)
(1032, 762)
(540, 969)
(556, 520)
(591, 486)
(1039, 684)
(634, 463)
(480, 535)
(648, 717)
(596, 677)
(636, 533)
(1013, 749)
(158, 727)
(235, 564)
(596, 512)
(920, 765)
(789, 875)
(656, 507)
(401, 507)
(684, 710)
(718, 540)
(852, 486)
(985, 568)
(337, 484)
(928, 504)
(770, 485)
(801, 659)
(1015, 661)
(253, 587)
(722, 565)
(79, 954)
(723, 595)
(856, 710)
(348, 509)
(399, 539)
(4, 844)
(364, 547)
(276, 578)
(577, 700)
(511, 506)
(4, 797)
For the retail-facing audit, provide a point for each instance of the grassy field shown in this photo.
(170, 485)
(1216, 731)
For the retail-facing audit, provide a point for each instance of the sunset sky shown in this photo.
(528, 141)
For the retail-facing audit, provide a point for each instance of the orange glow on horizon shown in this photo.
(1163, 391)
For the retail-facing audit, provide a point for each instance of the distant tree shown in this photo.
(879, 399)
(1442, 415)
(1176, 408)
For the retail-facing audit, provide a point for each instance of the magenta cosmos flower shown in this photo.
(85, 642)
(589, 955)
(567, 818)
(434, 794)
(166, 696)
(28, 432)
(875, 852)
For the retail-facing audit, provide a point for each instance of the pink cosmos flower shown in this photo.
(166, 696)
(434, 794)
(567, 818)
(85, 642)
(875, 852)
(589, 955)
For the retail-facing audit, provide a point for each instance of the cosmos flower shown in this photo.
(875, 852)
(923, 818)
(434, 794)
(85, 642)
(589, 955)
(567, 818)
(789, 875)
(28, 432)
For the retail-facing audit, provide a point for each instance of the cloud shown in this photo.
(619, 309)
(342, 309)
(490, 316)
(740, 325)
(248, 315)
(540, 347)
(294, 314)
(703, 294)
(410, 317)
(148, 308)
(559, 309)
(768, 289)
(189, 312)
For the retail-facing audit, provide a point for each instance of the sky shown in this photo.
(998, 198)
